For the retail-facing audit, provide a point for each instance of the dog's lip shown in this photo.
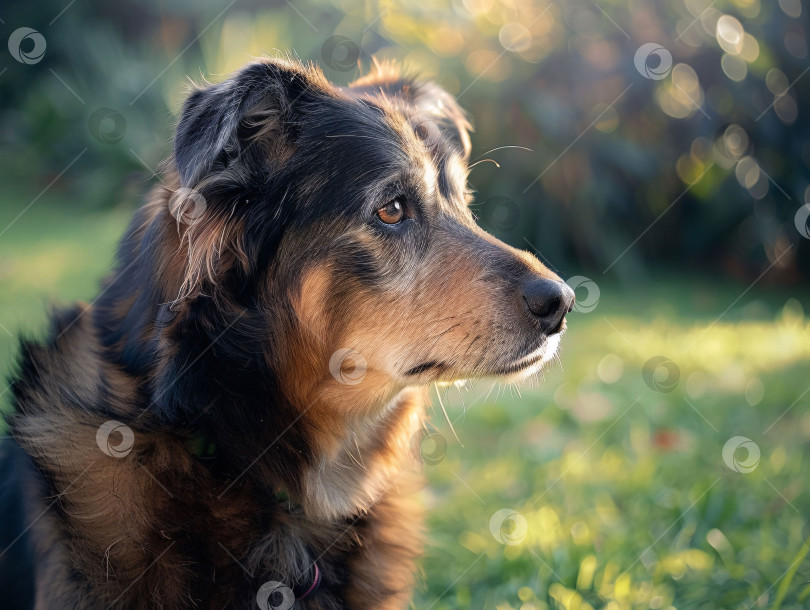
(520, 365)
(527, 361)
(534, 357)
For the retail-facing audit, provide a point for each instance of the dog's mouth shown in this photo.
(532, 362)
(516, 370)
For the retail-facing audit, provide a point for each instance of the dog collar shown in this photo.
(316, 582)
(200, 446)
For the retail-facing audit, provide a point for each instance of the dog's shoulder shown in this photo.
(64, 379)
(56, 388)
(62, 367)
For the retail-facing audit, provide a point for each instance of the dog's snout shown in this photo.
(549, 301)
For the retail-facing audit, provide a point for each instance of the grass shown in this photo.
(49, 255)
(591, 489)
(622, 490)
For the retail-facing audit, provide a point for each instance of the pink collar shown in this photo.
(315, 582)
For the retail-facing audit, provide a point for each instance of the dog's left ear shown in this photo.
(425, 96)
(218, 121)
(230, 136)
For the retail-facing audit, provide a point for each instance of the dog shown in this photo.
(229, 423)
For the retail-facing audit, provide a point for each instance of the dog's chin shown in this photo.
(531, 363)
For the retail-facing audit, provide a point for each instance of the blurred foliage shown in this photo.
(717, 148)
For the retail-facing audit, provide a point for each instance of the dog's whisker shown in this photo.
(505, 147)
(447, 418)
(493, 161)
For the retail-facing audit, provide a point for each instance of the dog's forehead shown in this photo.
(349, 143)
(367, 139)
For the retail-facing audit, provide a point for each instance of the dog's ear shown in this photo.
(427, 97)
(218, 122)
(230, 137)
(443, 108)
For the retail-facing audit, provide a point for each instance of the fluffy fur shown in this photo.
(261, 311)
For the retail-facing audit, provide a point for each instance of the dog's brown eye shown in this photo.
(392, 213)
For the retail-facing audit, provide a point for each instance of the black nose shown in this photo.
(549, 301)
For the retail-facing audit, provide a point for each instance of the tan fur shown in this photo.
(315, 374)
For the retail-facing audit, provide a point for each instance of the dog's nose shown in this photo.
(549, 301)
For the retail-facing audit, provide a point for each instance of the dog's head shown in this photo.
(339, 218)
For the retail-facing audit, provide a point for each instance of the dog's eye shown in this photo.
(393, 212)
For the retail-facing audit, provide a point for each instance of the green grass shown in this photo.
(625, 494)
(626, 497)
(50, 254)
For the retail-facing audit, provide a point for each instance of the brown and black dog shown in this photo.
(229, 424)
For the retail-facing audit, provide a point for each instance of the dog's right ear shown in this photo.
(218, 123)
(429, 98)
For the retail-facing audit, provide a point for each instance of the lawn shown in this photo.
(618, 489)
(606, 484)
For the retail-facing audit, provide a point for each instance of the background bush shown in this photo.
(718, 149)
